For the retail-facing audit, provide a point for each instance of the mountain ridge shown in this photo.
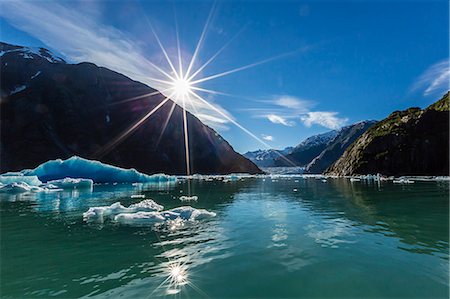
(410, 142)
(52, 109)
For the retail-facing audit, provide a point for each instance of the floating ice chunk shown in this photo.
(186, 213)
(12, 173)
(70, 183)
(147, 205)
(139, 218)
(77, 167)
(98, 213)
(137, 196)
(145, 212)
(189, 198)
(355, 180)
(190, 213)
(403, 181)
(10, 177)
(20, 187)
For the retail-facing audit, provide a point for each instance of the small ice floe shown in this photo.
(189, 198)
(137, 196)
(99, 213)
(144, 213)
(19, 187)
(70, 183)
(18, 177)
(403, 181)
(324, 180)
(295, 190)
(355, 180)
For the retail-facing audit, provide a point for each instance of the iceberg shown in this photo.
(70, 183)
(20, 187)
(186, 213)
(144, 212)
(98, 213)
(98, 172)
(14, 177)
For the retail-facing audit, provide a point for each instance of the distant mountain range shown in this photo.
(410, 142)
(336, 147)
(266, 158)
(307, 150)
(315, 153)
(51, 109)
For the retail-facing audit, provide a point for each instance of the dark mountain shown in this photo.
(51, 109)
(307, 150)
(266, 158)
(346, 136)
(409, 142)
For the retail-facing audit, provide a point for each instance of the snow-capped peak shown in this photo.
(30, 53)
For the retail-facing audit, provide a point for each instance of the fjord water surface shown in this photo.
(284, 237)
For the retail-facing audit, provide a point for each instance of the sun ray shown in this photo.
(180, 63)
(200, 41)
(137, 98)
(162, 48)
(186, 139)
(211, 91)
(113, 143)
(244, 67)
(215, 55)
(169, 115)
(242, 127)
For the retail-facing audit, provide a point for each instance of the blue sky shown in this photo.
(327, 64)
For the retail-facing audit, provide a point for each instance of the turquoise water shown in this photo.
(285, 237)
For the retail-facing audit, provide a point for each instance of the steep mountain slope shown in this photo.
(409, 142)
(307, 150)
(346, 136)
(51, 109)
(266, 158)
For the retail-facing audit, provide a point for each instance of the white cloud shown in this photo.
(81, 37)
(291, 102)
(325, 119)
(277, 119)
(435, 79)
(267, 137)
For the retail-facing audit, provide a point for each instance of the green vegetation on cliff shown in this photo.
(409, 142)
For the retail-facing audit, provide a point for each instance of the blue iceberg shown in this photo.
(76, 167)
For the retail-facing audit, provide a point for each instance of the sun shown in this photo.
(182, 87)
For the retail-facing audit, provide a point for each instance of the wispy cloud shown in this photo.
(291, 102)
(435, 79)
(267, 137)
(286, 109)
(325, 119)
(277, 119)
(82, 37)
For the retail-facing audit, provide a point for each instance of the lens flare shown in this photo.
(182, 87)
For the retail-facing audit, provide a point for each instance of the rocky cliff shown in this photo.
(336, 147)
(410, 142)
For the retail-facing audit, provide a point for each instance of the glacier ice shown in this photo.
(19, 187)
(144, 212)
(14, 177)
(76, 167)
